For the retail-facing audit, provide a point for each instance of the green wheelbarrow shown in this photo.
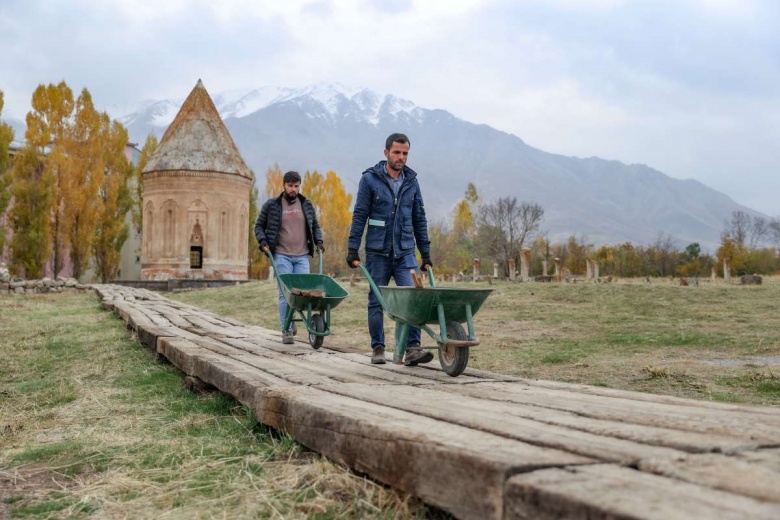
(312, 296)
(448, 307)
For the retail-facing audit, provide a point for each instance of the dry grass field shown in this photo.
(92, 425)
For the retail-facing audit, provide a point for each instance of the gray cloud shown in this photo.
(688, 87)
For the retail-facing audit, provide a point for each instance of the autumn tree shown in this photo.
(274, 178)
(578, 251)
(48, 124)
(333, 204)
(113, 199)
(32, 190)
(258, 262)
(87, 160)
(6, 136)
(457, 250)
(440, 237)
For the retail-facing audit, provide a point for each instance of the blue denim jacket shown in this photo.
(395, 224)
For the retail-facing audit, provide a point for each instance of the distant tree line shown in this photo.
(499, 230)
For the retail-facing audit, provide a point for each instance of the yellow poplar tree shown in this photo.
(32, 190)
(460, 243)
(333, 204)
(273, 182)
(47, 126)
(114, 200)
(258, 262)
(6, 136)
(85, 174)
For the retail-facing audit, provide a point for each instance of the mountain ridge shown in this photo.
(333, 127)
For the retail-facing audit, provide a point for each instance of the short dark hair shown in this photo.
(292, 177)
(396, 138)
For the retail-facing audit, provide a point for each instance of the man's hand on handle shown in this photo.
(264, 246)
(320, 246)
(353, 259)
(426, 263)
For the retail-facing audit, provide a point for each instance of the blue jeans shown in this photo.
(381, 269)
(286, 265)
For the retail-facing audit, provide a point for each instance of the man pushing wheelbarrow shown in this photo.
(287, 228)
(390, 202)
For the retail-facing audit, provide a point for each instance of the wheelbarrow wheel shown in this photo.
(454, 359)
(318, 324)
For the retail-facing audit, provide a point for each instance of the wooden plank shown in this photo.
(768, 457)
(454, 468)
(611, 492)
(692, 442)
(437, 376)
(153, 316)
(280, 368)
(500, 419)
(170, 314)
(272, 342)
(735, 474)
(149, 335)
(653, 398)
(742, 422)
(228, 375)
(312, 369)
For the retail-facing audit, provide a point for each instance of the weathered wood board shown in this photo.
(481, 445)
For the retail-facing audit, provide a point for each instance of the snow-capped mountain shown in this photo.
(325, 101)
(332, 127)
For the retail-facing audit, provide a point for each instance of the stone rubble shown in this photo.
(9, 285)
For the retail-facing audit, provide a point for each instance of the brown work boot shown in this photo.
(378, 356)
(287, 338)
(415, 354)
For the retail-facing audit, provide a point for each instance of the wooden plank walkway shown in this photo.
(481, 445)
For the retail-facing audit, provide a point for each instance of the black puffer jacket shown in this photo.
(270, 220)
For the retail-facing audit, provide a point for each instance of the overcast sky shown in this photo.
(689, 87)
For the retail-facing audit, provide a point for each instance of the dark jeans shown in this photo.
(381, 269)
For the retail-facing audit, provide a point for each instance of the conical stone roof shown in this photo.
(197, 140)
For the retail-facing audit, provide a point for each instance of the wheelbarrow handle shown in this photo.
(267, 253)
(430, 276)
(371, 283)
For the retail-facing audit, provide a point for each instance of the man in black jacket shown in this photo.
(287, 227)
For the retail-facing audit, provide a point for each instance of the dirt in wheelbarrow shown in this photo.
(715, 341)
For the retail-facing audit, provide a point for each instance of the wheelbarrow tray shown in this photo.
(334, 293)
(420, 306)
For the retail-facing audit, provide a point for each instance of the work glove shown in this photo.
(320, 246)
(426, 263)
(263, 245)
(352, 256)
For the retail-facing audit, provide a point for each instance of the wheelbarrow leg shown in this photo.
(470, 323)
(288, 318)
(401, 337)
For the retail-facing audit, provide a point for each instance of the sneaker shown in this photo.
(287, 338)
(378, 356)
(415, 354)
